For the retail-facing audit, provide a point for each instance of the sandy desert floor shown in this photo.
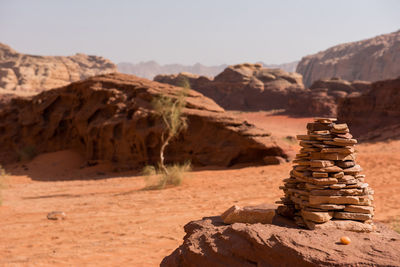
(111, 221)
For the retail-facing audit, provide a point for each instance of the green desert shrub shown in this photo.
(157, 178)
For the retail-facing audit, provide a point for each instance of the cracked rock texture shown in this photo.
(28, 74)
(210, 242)
(110, 117)
(249, 87)
(374, 115)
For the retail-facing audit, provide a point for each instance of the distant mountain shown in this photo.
(373, 59)
(150, 69)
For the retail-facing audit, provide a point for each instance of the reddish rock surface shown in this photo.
(372, 59)
(109, 117)
(374, 115)
(324, 96)
(248, 87)
(5, 99)
(209, 242)
(27, 74)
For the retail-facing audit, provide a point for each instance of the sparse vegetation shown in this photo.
(2, 182)
(158, 179)
(184, 82)
(171, 112)
(27, 153)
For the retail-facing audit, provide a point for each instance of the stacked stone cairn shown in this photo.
(325, 183)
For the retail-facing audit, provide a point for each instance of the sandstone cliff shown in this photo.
(374, 115)
(109, 117)
(27, 74)
(372, 59)
(249, 87)
(323, 97)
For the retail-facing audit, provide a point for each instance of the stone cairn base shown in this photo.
(325, 184)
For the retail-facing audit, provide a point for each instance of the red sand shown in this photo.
(111, 221)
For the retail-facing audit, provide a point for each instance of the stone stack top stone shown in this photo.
(326, 186)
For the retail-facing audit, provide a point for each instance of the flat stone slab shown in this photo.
(263, 213)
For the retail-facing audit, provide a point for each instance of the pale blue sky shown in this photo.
(205, 31)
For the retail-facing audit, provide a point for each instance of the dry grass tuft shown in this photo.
(157, 179)
(3, 175)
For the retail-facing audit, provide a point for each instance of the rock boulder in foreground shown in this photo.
(210, 242)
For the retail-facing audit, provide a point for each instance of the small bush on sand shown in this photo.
(157, 178)
(27, 153)
(170, 110)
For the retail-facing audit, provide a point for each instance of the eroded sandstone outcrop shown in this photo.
(210, 242)
(27, 74)
(109, 117)
(245, 86)
(323, 97)
(372, 59)
(374, 115)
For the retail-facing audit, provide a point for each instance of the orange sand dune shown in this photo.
(111, 221)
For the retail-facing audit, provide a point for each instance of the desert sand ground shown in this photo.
(111, 221)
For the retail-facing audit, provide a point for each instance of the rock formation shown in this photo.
(372, 59)
(245, 86)
(27, 74)
(325, 193)
(150, 69)
(323, 97)
(210, 242)
(326, 184)
(375, 114)
(109, 117)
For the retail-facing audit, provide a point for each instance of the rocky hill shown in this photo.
(27, 74)
(249, 87)
(110, 117)
(150, 69)
(372, 59)
(374, 115)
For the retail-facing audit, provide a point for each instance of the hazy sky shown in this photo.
(205, 31)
